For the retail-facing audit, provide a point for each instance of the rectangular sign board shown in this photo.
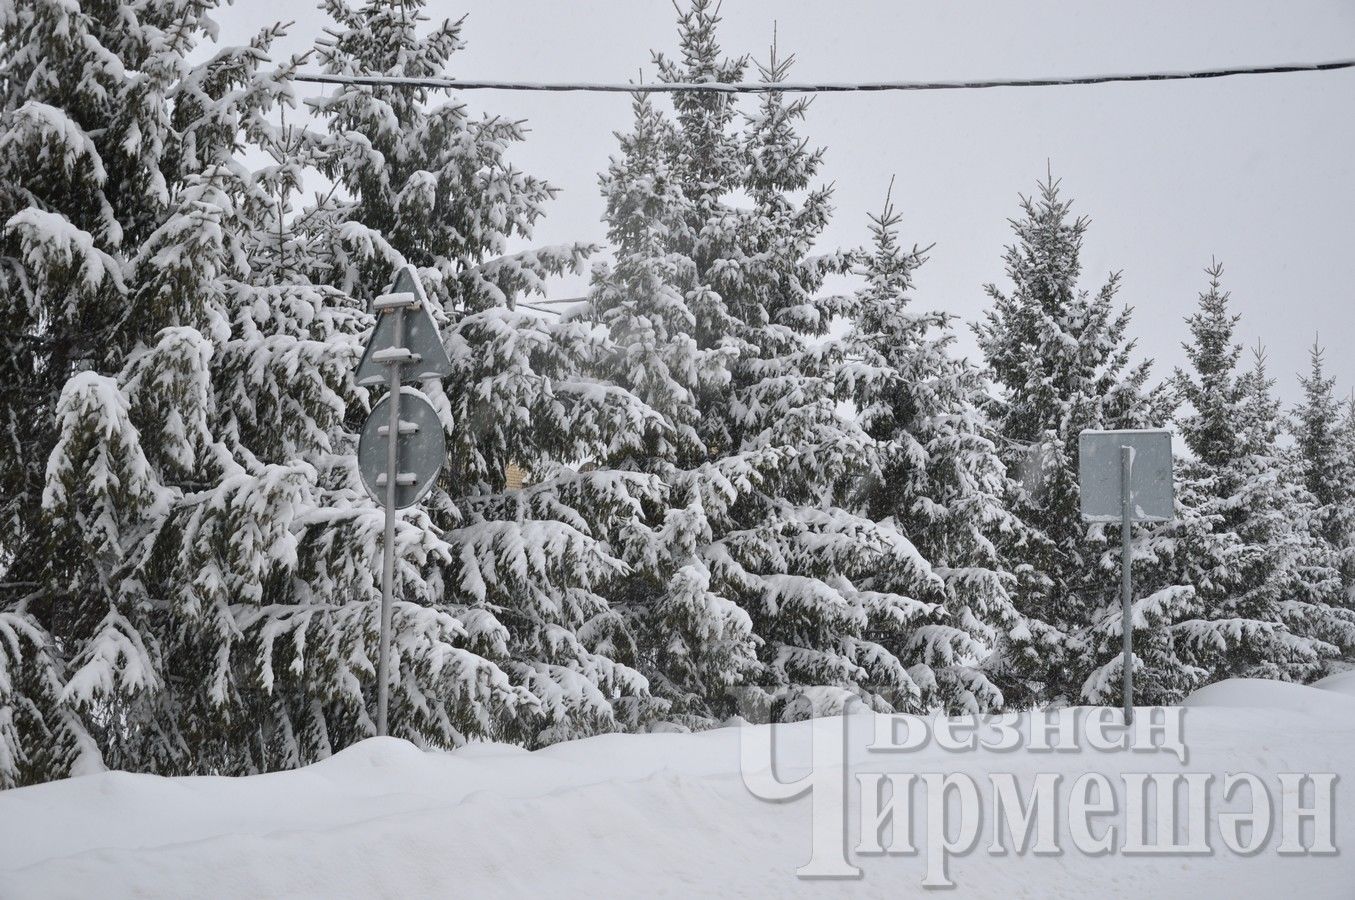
(1150, 483)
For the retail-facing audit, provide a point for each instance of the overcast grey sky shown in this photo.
(1257, 171)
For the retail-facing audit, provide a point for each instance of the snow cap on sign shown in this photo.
(420, 337)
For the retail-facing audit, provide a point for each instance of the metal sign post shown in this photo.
(1127, 580)
(404, 346)
(1126, 476)
(388, 541)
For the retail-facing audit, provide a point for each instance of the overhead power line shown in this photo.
(759, 87)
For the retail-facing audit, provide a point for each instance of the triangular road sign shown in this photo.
(420, 336)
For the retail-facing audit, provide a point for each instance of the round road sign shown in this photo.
(421, 449)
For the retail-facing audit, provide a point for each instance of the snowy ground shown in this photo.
(632, 815)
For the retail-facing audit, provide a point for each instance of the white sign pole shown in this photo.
(1127, 580)
(388, 548)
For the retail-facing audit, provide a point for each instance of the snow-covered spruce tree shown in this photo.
(675, 349)
(507, 581)
(1345, 444)
(1061, 360)
(59, 285)
(696, 643)
(1315, 607)
(759, 493)
(1328, 472)
(1238, 544)
(940, 482)
(786, 549)
(124, 256)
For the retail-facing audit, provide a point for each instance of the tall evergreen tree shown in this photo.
(795, 554)
(500, 627)
(1346, 452)
(1314, 608)
(1237, 542)
(1062, 361)
(188, 570)
(131, 511)
(696, 642)
(1327, 471)
(715, 300)
(940, 481)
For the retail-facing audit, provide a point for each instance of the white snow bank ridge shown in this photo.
(671, 815)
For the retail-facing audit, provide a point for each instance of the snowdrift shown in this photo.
(1342, 683)
(633, 815)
